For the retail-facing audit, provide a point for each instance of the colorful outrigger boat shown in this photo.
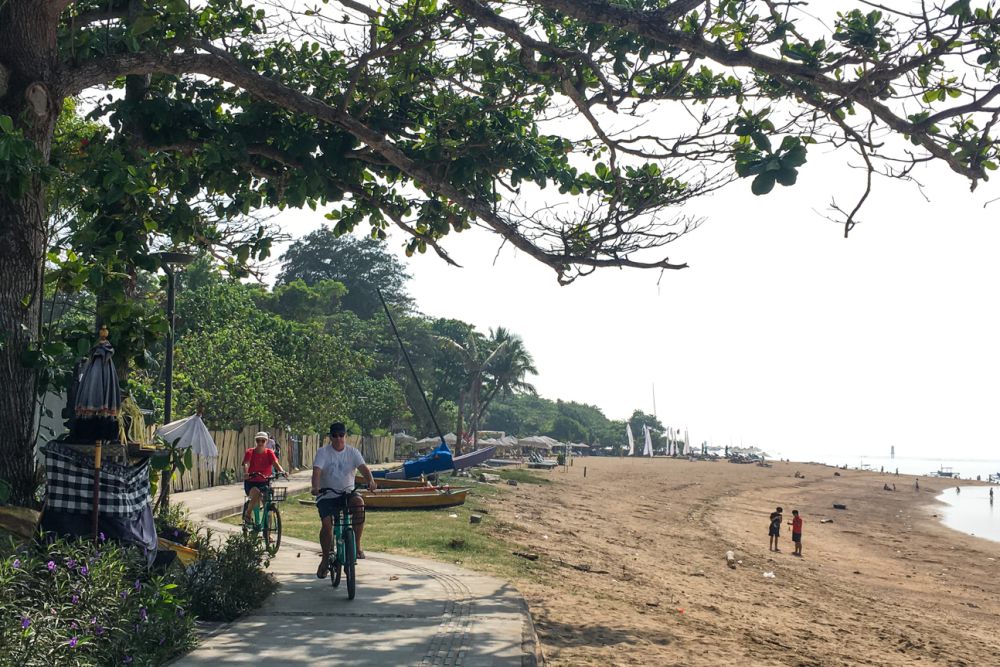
(438, 460)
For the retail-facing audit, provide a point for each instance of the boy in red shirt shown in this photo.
(796, 524)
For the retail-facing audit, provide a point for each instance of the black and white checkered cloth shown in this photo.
(70, 488)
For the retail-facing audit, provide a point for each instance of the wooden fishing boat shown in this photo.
(384, 483)
(418, 499)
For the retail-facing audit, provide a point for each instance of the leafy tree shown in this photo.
(360, 264)
(300, 302)
(426, 116)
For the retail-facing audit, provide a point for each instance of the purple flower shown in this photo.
(99, 630)
(75, 599)
(51, 565)
(72, 642)
(17, 563)
(162, 639)
(101, 537)
(74, 626)
(25, 622)
(127, 659)
(84, 570)
(138, 585)
(123, 594)
(70, 563)
(143, 614)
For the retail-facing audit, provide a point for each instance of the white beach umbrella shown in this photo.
(535, 442)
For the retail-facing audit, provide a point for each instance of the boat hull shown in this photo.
(432, 499)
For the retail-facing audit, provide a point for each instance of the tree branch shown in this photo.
(219, 64)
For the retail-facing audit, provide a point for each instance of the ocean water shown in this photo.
(970, 511)
(966, 468)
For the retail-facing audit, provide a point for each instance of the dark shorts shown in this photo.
(328, 506)
(774, 532)
(251, 485)
(796, 537)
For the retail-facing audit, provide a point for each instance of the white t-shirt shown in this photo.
(337, 468)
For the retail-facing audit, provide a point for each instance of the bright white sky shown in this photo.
(782, 333)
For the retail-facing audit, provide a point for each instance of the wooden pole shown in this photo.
(95, 514)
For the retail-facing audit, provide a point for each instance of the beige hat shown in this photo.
(262, 434)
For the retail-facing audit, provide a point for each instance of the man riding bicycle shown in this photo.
(334, 471)
(259, 463)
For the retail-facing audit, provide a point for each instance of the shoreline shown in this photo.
(880, 584)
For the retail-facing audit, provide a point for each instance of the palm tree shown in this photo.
(500, 363)
(505, 374)
(474, 360)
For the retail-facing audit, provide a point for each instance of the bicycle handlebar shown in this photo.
(267, 478)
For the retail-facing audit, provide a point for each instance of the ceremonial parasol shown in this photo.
(98, 400)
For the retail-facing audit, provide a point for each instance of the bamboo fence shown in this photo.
(295, 453)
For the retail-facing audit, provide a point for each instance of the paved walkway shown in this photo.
(408, 611)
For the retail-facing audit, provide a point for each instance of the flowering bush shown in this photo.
(228, 580)
(80, 602)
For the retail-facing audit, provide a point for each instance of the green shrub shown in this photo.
(173, 523)
(230, 580)
(80, 602)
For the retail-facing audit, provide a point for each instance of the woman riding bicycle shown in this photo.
(333, 468)
(259, 464)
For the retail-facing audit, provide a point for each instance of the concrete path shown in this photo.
(408, 611)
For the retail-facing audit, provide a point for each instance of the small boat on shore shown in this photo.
(415, 499)
(944, 471)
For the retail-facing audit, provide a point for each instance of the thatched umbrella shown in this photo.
(98, 400)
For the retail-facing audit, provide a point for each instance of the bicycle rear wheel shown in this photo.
(272, 530)
(350, 559)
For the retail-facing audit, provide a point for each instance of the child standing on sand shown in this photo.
(774, 530)
(796, 524)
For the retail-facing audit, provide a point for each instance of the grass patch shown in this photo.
(429, 533)
(523, 476)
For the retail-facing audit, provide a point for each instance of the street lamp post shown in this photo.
(170, 261)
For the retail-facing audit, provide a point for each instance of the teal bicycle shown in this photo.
(266, 520)
(343, 555)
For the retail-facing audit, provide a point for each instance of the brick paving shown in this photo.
(408, 611)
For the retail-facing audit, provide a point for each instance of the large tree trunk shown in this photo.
(27, 64)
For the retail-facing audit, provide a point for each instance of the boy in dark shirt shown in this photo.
(796, 524)
(774, 530)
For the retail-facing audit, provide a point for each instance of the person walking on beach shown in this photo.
(796, 524)
(916, 484)
(774, 530)
(991, 495)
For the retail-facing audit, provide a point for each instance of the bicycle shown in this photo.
(343, 554)
(266, 518)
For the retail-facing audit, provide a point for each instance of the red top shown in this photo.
(796, 524)
(259, 463)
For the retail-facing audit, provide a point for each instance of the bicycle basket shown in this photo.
(279, 493)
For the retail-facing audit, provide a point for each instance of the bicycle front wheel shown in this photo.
(272, 530)
(350, 559)
(247, 527)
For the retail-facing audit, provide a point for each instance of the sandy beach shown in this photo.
(884, 583)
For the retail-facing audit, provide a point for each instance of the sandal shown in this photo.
(323, 569)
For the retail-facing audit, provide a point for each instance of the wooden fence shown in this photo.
(295, 453)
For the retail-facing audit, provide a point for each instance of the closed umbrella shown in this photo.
(98, 400)
(191, 433)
